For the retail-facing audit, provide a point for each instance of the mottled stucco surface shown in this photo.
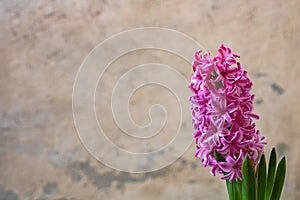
(42, 45)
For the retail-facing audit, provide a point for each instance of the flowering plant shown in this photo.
(225, 134)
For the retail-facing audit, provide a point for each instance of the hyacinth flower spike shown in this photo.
(226, 136)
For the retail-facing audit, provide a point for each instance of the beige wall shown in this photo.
(42, 45)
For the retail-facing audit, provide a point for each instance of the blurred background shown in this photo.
(42, 45)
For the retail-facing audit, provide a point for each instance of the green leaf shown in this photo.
(261, 183)
(219, 157)
(271, 174)
(229, 190)
(239, 184)
(236, 190)
(249, 181)
(279, 180)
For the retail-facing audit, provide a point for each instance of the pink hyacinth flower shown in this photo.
(222, 113)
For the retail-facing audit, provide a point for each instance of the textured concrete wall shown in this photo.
(43, 43)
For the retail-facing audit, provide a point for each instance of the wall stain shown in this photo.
(8, 194)
(258, 101)
(282, 149)
(276, 88)
(193, 165)
(260, 75)
(106, 179)
(50, 188)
